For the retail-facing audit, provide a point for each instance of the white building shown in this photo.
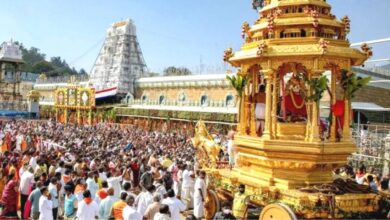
(120, 60)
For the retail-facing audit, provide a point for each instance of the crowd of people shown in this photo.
(55, 171)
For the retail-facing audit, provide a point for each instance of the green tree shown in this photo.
(152, 74)
(177, 71)
(82, 72)
(31, 57)
(42, 67)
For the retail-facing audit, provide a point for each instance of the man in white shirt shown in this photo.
(230, 148)
(175, 205)
(200, 195)
(26, 182)
(45, 205)
(106, 205)
(115, 183)
(129, 212)
(92, 186)
(88, 209)
(144, 199)
(33, 161)
(19, 139)
(187, 187)
(53, 190)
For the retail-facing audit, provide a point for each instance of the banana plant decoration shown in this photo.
(352, 83)
(238, 83)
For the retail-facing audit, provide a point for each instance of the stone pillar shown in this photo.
(268, 102)
(386, 156)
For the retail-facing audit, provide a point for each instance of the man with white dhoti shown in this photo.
(200, 194)
(260, 109)
(187, 187)
(230, 148)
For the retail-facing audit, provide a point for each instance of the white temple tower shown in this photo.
(120, 61)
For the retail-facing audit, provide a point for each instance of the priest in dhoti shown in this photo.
(260, 109)
(200, 195)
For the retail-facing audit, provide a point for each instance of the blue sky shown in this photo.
(189, 33)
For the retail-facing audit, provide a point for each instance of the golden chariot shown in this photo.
(282, 146)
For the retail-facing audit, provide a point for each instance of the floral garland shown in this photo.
(295, 103)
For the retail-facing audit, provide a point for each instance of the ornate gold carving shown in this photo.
(262, 48)
(228, 54)
(346, 21)
(323, 45)
(207, 149)
(367, 50)
(271, 24)
(245, 32)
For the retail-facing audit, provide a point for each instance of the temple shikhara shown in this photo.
(120, 61)
(292, 55)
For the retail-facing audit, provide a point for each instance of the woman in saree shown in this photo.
(9, 199)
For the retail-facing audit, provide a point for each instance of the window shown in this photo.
(144, 98)
(204, 101)
(182, 97)
(229, 101)
(161, 100)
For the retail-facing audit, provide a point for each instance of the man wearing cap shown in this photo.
(106, 205)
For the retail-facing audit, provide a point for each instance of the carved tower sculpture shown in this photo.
(120, 60)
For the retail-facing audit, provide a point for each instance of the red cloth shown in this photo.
(102, 193)
(338, 110)
(290, 107)
(9, 198)
(27, 209)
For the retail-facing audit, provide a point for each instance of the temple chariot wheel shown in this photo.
(277, 211)
(212, 205)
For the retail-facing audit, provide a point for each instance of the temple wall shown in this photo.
(192, 94)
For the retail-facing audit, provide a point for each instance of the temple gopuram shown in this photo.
(285, 152)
